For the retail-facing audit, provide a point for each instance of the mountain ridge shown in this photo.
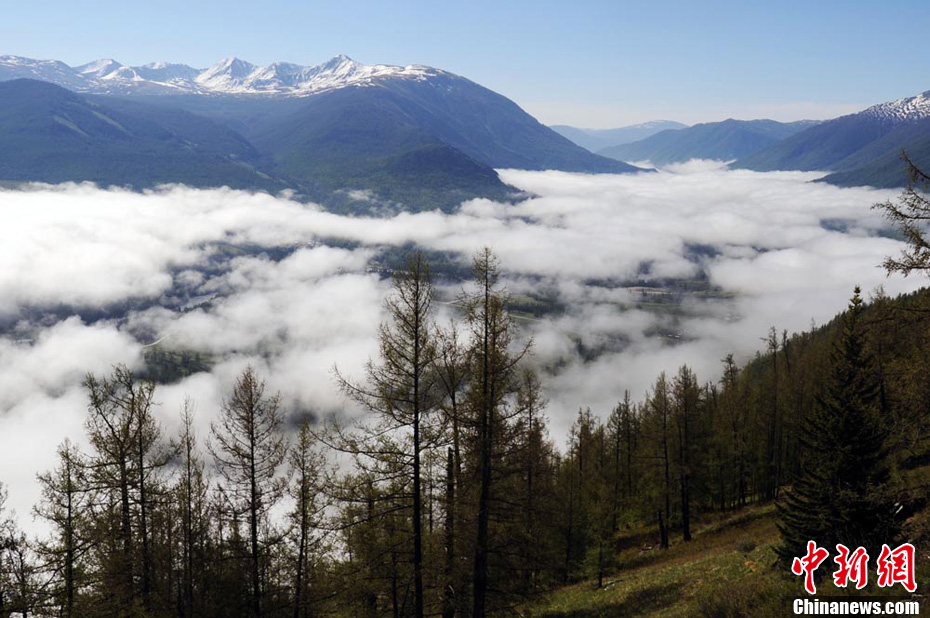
(231, 76)
(51, 134)
(858, 149)
(726, 140)
(599, 139)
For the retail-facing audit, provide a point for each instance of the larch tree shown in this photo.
(403, 390)
(65, 505)
(308, 467)
(910, 214)
(658, 420)
(7, 541)
(686, 396)
(192, 493)
(123, 435)
(494, 371)
(249, 447)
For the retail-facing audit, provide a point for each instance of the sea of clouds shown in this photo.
(88, 277)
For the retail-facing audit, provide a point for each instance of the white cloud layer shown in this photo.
(249, 278)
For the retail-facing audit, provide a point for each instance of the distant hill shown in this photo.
(417, 136)
(886, 170)
(861, 149)
(599, 139)
(339, 139)
(721, 141)
(49, 134)
(480, 123)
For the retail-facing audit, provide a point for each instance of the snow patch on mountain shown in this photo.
(98, 68)
(230, 76)
(909, 108)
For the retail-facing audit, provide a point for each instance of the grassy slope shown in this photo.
(727, 570)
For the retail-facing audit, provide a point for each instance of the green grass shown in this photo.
(728, 570)
(688, 579)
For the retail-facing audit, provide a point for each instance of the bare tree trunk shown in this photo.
(143, 525)
(253, 533)
(480, 577)
(448, 608)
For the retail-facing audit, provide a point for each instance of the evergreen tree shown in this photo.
(841, 495)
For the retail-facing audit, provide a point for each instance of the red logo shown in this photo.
(897, 566)
(808, 564)
(894, 566)
(853, 567)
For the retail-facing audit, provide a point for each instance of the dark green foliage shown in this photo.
(166, 366)
(841, 495)
(835, 419)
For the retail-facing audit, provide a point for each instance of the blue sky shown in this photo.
(586, 62)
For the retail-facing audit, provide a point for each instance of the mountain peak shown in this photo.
(99, 68)
(227, 75)
(916, 107)
(232, 75)
(336, 63)
(236, 65)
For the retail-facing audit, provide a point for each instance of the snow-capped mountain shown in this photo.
(414, 135)
(98, 68)
(227, 76)
(231, 76)
(909, 108)
(15, 67)
(167, 73)
(860, 148)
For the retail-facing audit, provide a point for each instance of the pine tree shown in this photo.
(841, 495)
